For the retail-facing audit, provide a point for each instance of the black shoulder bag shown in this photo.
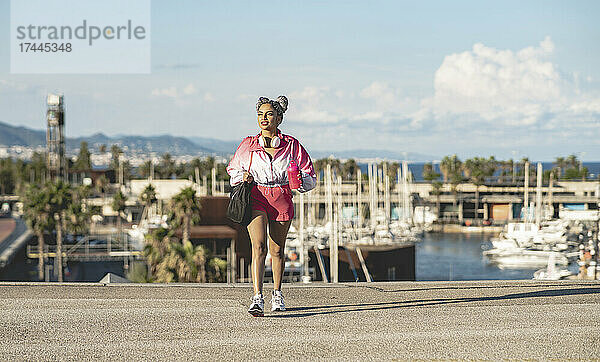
(239, 210)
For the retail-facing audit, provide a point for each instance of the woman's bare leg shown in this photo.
(258, 238)
(277, 234)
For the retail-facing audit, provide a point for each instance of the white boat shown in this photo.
(522, 258)
(551, 272)
(504, 243)
(521, 232)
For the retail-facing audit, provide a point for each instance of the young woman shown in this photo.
(264, 159)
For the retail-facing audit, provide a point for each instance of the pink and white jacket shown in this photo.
(267, 172)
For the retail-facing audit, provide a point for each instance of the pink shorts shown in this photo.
(275, 201)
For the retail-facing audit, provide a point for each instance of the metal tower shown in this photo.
(55, 137)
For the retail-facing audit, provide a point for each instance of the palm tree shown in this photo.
(349, 169)
(171, 261)
(186, 208)
(101, 185)
(430, 175)
(7, 176)
(145, 169)
(436, 189)
(217, 267)
(79, 214)
(572, 161)
(560, 164)
(38, 166)
(320, 165)
(37, 215)
(60, 199)
(510, 164)
(118, 205)
(115, 151)
(148, 198)
(167, 165)
(451, 167)
(392, 169)
(83, 159)
(336, 165)
(475, 172)
(192, 265)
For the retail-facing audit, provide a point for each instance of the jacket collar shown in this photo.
(255, 145)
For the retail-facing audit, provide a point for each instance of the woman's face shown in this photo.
(268, 118)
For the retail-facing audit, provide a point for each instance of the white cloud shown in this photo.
(174, 92)
(170, 92)
(381, 92)
(484, 100)
(500, 85)
(189, 89)
(208, 97)
(314, 105)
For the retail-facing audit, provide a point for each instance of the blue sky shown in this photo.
(465, 77)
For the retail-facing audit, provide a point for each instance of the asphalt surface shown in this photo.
(404, 320)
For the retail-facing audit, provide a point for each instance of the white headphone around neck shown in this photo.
(275, 141)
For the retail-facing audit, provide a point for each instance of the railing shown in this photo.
(91, 247)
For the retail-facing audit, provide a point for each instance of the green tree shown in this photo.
(430, 175)
(572, 161)
(349, 169)
(37, 214)
(7, 179)
(218, 269)
(115, 152)
(38, 166)
(436, 189)
(392, 169)
(102, 185)
(167, 166)
(451, 167)
(127, 171)
(186, 208)
(79, 214)
(119, 205)
(60, 199)
(171, 261)
(475, 171)
(145, 169)
(84, 161)
(560, 164)
(148, 198)
(573, 173)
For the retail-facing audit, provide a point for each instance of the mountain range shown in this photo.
(22, 136)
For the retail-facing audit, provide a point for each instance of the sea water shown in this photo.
(449, 256)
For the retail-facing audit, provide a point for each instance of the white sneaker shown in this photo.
(277, 304)
(257, 308)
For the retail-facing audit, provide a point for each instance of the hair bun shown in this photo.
(283, 101)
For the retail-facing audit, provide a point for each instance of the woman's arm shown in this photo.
(309, 178)
(235, 169)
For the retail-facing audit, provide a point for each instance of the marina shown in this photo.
(371, 220)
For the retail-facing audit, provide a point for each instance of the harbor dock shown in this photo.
(348, 321)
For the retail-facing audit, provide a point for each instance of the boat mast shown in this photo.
(359, 192)
(538, 195)
(526, 194)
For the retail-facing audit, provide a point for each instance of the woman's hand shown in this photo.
(248, 177)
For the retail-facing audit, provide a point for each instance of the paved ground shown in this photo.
(457, 320)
